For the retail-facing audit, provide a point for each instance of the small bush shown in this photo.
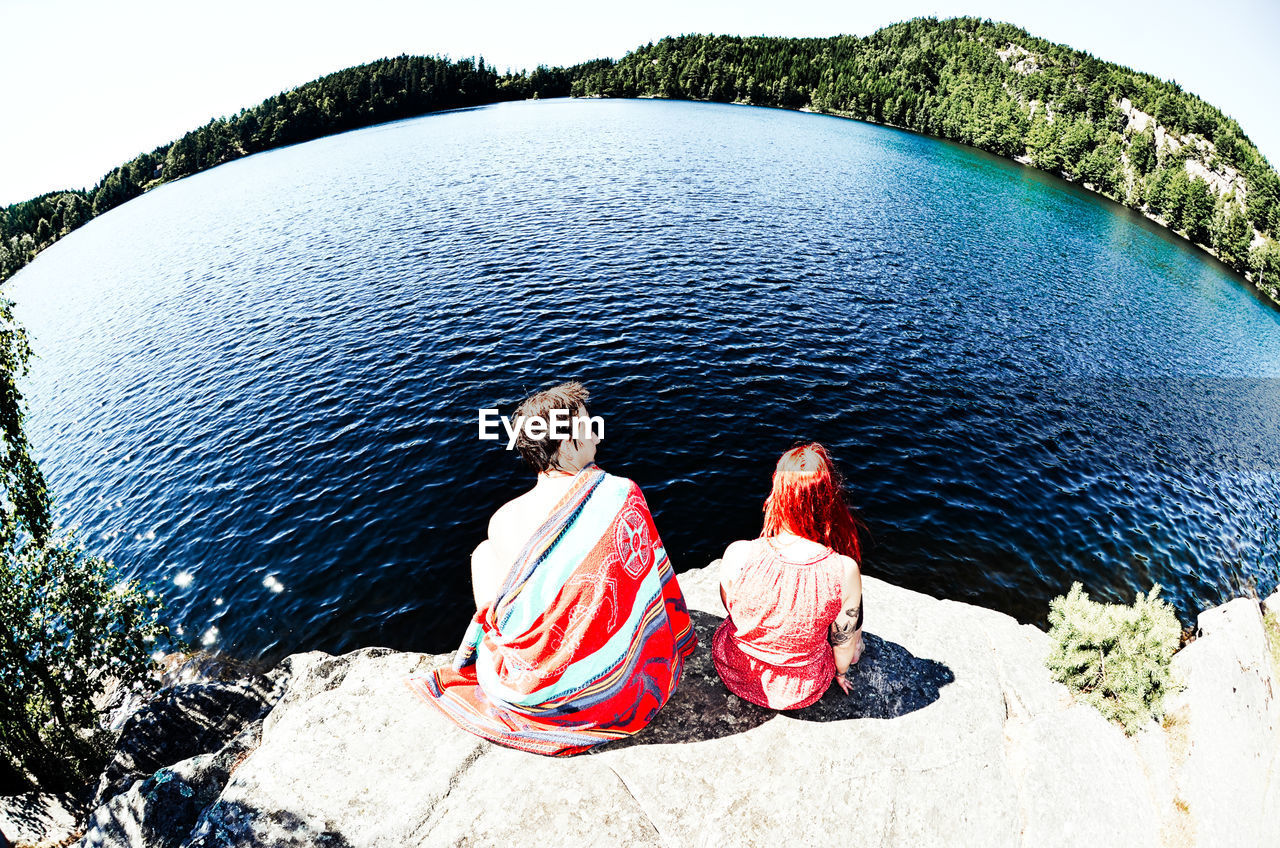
(69, 628)
(1113, 656)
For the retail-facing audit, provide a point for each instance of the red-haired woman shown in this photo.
(794, 595)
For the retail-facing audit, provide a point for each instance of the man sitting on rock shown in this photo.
(581, 630)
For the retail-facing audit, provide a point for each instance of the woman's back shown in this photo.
(772, 650)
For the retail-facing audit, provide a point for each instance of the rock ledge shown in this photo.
(955, 735)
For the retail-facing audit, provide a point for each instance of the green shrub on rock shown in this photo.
(1113, 656)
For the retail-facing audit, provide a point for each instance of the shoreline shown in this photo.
(1270, 293)
(955, 734)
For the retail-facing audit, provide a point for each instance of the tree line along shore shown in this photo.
(1139, 140)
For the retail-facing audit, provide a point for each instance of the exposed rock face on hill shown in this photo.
(955, 735)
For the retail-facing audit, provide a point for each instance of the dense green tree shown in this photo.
(1102, 166)
(1142, 152)
(73, 211)
(1077, 141)
(1167, 191)
(1231, 234)
(1263, 203)
(115, 189)
(1264, 261)
(180, 159)
(69, 625)
(1044, 143)
(1197, 210)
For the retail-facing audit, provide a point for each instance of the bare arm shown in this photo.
(718, 565)
(845, 634)
(486, 574)
(730, 566)
(492, 559)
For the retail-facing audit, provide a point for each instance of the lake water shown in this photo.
(258, 386)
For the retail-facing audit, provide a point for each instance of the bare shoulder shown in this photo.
(501, 518)
(851, 576)
(739, 552)
(509, 515)
(849, 566)
(735, 556)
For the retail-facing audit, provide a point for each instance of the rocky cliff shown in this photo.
(955, 735)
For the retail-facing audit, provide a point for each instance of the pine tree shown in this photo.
(1231, 233)
(1197, 214)
(1115, 657)
(1142, 151)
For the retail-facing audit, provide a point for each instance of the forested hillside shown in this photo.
(1139, 140)
(380, 91)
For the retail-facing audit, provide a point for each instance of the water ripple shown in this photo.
(257, 386)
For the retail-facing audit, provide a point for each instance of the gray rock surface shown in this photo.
(35, 818)
(161, 810)
(182, 721)
(1227, 721)
(955, 735)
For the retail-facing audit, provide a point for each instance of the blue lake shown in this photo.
(258, 386)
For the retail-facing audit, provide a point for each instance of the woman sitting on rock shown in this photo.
(794, 595)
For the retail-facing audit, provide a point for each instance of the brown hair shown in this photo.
(541, 454)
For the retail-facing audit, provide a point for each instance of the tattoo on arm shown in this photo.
(845, 626)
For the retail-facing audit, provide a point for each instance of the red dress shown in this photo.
(772, 650)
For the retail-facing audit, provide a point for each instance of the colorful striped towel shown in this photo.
(587, 637)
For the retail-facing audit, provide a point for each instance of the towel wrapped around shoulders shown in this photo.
(587, 637)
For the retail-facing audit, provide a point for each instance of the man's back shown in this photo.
(584, 638)
(517, 519)
(510, 528)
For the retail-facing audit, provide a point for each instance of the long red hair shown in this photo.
(808, 500)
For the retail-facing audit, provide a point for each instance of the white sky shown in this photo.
(90, 84)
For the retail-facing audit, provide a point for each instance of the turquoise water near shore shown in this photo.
(258, 386)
